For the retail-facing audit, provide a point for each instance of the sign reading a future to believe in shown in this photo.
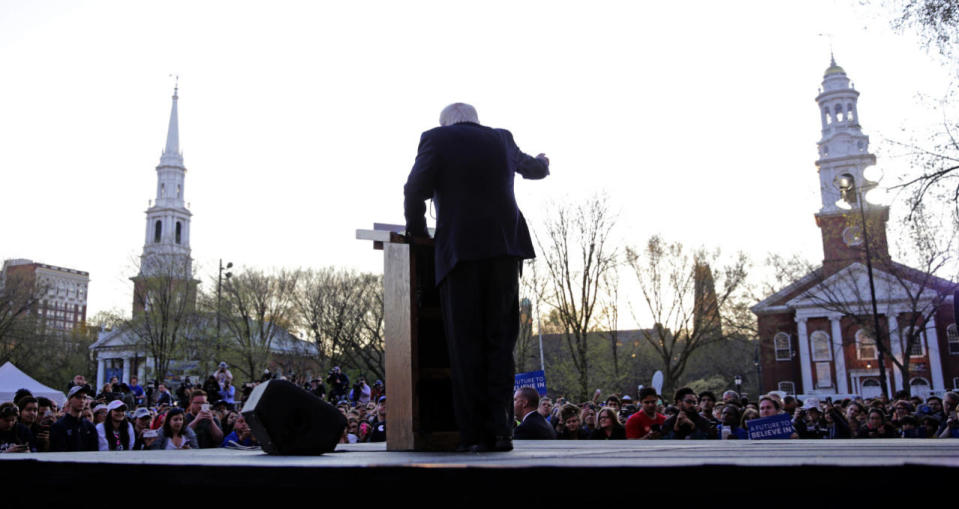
(534, 379)
(767, 428)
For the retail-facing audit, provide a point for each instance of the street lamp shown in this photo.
(219, 283)
(847, 184)
(759, 378)
(739, 384)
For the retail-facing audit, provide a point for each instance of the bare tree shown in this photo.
(164, 311)
(366, 348)
(685, 300)
(936, 21)
(20, 297)
(258, 308)
(343, 311)
(577, 253)
(532, 291)
(609, 317)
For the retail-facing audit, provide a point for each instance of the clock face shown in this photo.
(852, 236)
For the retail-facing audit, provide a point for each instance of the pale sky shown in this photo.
(299, 120)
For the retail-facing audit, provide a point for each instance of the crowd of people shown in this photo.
(692, 416)
(125, 416)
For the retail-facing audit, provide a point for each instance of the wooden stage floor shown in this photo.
(564, 468)
(562, 454)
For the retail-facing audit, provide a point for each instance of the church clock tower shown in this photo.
(843, 157)
(166, 252)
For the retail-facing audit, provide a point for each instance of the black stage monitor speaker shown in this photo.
(287, 419)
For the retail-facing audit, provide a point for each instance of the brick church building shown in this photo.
(817, 335)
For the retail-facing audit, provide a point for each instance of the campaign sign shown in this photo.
(766, 428)
(534, 379)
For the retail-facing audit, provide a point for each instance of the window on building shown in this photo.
(179, 228)
(952, 333)
(179, 191)
(865, 346)
(157, 230)
(919, 386)
(787, 387)
(918, 347)
(838, 111)
(783, 347)
(849, 116)
(821, 349)
(870, 388)
(823, 375)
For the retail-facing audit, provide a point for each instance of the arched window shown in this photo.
(783, 347)
(179, 191)
(162, 190)
(870, 388)
(952, 333)
(919, 383)
(865, 346)
(157, 230)
(837, 109)
(849, 115)
(179, 227)
(821, 350)
(828, 115)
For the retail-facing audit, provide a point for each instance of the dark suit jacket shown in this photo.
(534, 427)
(467, 169)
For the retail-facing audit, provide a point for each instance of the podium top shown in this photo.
(394, 233)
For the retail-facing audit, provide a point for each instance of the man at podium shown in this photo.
(481, 240)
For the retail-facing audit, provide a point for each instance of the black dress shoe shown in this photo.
(464, 447)
(503, 444)
(480, 447)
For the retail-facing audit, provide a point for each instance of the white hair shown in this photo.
(458, 112)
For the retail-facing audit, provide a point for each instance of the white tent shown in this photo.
(12, 380)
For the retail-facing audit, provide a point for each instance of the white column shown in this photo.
(804, 357)
(935, 362)
(100, 374)
(126, 370)
(839, 355)
(895, 344)
(141, 372)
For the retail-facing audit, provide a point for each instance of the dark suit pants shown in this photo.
(480, 303)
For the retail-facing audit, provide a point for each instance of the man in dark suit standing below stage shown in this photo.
(481, 240)
(532, 425)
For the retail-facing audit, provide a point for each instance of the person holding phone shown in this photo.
(14, 437)
(200, 419)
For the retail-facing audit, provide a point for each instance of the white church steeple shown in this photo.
(166, 251)
(843, 148)
(843, 158)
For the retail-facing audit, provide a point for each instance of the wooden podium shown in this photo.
(419, 403)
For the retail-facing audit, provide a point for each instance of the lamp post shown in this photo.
(219, 284)
(758, 365)
(739, 384)
(847, 184)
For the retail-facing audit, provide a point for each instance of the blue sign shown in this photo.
(534, 379)
(768, 428)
